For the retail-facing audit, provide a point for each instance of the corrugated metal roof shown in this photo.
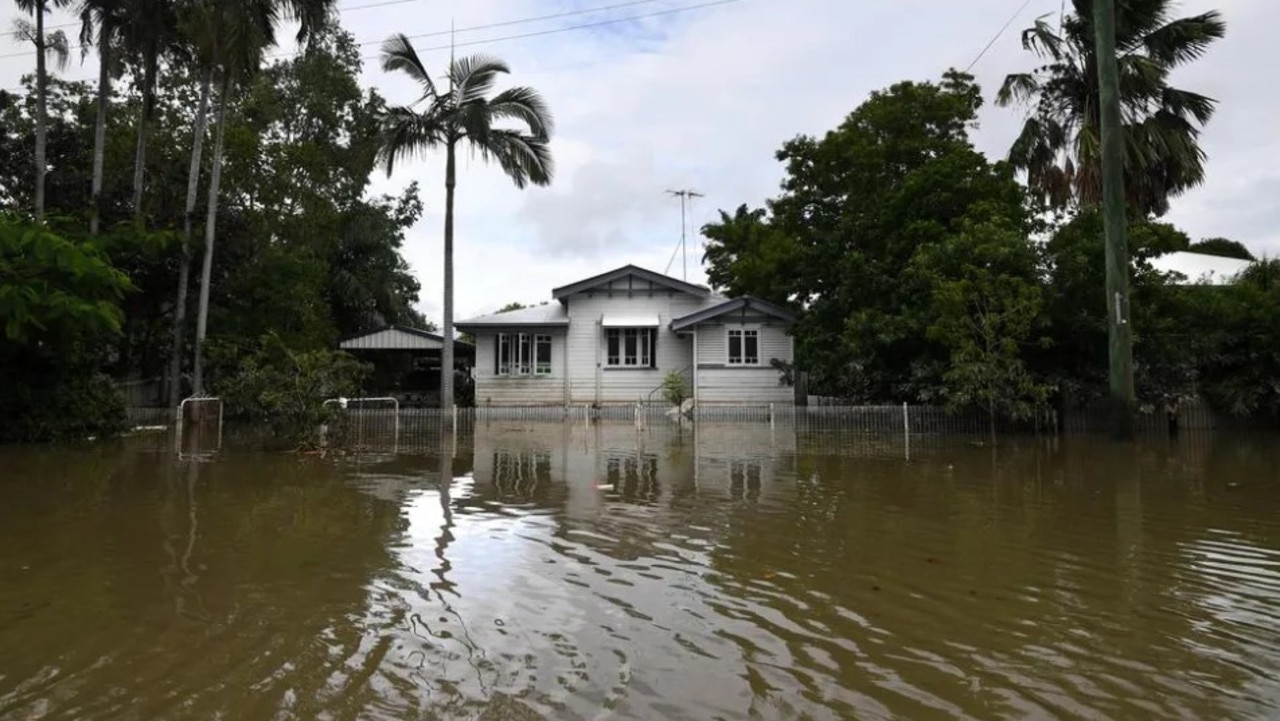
(1200, 268)
(394, 338)
(544, 315)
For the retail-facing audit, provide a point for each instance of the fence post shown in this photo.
(770, 415)
(906, 430)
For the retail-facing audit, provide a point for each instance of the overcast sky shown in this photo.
(702, 97)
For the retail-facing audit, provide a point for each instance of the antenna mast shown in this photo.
(686, 196)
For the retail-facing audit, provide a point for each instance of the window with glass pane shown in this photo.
(630, 347)
(542, 358)
(744, 347)
(522, 354)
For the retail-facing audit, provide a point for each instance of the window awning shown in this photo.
(630, 321)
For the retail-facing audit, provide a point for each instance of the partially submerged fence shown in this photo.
(367, 423)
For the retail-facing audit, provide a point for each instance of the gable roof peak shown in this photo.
(634, 271)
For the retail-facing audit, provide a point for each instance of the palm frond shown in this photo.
(473, 77)
(57, 47)
(407, 134)
(1185, 39)
(1018, 87)
(524, 105)
(1042, 40)
(1183, 103)
(523, 158)
(398, 55)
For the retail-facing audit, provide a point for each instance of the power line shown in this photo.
(997, 36)
(568, 28)
(521, 36)
(384, 3)
(488, 26)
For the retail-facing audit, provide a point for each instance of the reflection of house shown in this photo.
(613, 338)
(406, 362)
(579, 467)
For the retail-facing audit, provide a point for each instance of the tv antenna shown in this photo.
(686, 196)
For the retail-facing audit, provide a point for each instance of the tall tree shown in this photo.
(1059, 146)
(231, 38)
(56, 44)
(100, 23)
(152, 30)
(465, 113)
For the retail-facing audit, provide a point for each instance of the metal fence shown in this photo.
(901, 427)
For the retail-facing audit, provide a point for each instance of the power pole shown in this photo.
(685, 196)
(1115, 214)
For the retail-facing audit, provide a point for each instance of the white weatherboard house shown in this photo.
(612, 339)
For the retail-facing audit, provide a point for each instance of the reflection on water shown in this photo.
(591, 572)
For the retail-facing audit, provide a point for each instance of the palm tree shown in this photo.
(56, 44)
(231, 36)
(152, 29)
(1059, 146)
(464, 113)
(107, 17)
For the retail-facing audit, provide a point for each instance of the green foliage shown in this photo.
(1223, 247)
(1059, 146)
(1242, 324)
(303, 249)
(897, 179)
(53, 289)
(284, 390)
(988, 310)
(57, 405)
(675, 388)
(746, 254)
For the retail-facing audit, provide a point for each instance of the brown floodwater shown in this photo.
(591, 572)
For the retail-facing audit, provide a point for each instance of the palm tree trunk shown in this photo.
(446, 349)
(210, 227)
(184, 268)
(100, 127)
(144, 127)
(41, 130)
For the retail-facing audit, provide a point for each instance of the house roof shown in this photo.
(396, 337)
(1201, 268)
(745, 304)
(629, 270)
(551, 314)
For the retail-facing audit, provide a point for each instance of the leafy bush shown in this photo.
(284, 390)
(61, 407)
(675, 388)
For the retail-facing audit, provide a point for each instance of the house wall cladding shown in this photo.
(498, 390)
(719, 382)
(590, 381)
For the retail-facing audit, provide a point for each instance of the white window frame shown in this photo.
(516, 354)
(742, 333)
(643, 354)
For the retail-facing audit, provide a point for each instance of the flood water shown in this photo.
(588, 572)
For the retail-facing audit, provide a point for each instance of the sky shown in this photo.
(665, 95)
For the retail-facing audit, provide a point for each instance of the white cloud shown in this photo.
(703, 100)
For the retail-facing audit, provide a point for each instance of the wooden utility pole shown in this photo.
(1115, 214)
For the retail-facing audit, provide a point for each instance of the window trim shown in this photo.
(742, 333)
(646, 347)
(522, 355)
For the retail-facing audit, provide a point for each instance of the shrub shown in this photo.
(675, 388)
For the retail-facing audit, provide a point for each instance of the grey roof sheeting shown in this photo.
(649, 275)
(397, 337)
(745, 303)
(551, 314)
